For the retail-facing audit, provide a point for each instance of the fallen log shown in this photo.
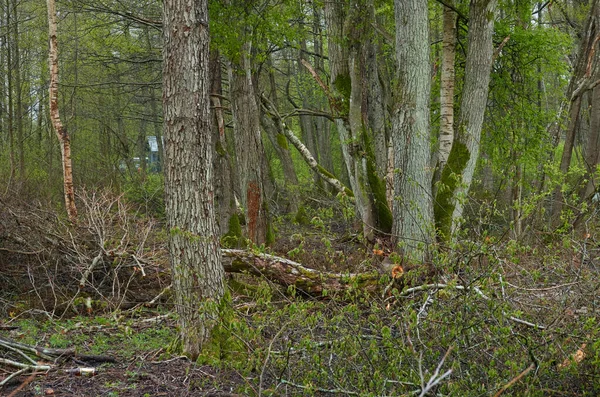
(289, 273)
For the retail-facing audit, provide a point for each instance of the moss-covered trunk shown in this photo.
(457, 175)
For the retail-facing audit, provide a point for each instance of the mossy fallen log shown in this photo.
(289, 273)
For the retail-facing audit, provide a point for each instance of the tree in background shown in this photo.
(61, 131)
(193, 240)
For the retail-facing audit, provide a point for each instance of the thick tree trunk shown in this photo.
(413, 212)
(457, 175)
(193, 240)
(61, 132)
(250, 155)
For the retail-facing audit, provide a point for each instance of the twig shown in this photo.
(90, 269)
(264, 367)
(518, 320)
(332, 391)
(17, 364)
(543, 289)
(436, 378)
(139, 265)
(514, 380)
(157, 297)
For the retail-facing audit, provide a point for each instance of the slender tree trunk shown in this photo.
(280, 145)
(10, 100)
(447, 86)
(193, 239)
(413, 212)
(322, 125)
(457, 175)
(61, 132)
(306, 121)
(222, 163)
(18, 91)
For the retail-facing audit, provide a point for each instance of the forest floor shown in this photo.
(496, 317)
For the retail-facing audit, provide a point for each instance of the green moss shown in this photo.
(383, 214)
(343, 85)
(282, 142)
(233, 237)
(449, 182)
(270, 237)
(301, 217)
(220, 149)
(330, 175)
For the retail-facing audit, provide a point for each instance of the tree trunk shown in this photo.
(18, 91)
(277, 139)
(348, 82)
(592, 147)
(413, 212)
(306, 121)
(447, 86)
(250, 155)
(586, 67)
(457, 175)
(10, 97)
(61, 132)
(322, 126)
(193, 240)
(222, 162)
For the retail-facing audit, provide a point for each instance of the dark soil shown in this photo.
(139, 377)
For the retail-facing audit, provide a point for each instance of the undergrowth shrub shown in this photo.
(148, 194)
(488, 325)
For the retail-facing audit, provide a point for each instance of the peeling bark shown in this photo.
(61, 131)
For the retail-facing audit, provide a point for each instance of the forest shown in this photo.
(299, 198)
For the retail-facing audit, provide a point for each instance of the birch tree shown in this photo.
(457, 175)
(61, 131)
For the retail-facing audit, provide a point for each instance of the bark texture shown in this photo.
(197, 271)
(250, 155)
(413, 211)
(447, 86)
(61, 131)
(457, 175)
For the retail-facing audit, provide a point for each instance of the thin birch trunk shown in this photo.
(61, 131)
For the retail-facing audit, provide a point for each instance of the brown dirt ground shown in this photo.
(139, 377)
